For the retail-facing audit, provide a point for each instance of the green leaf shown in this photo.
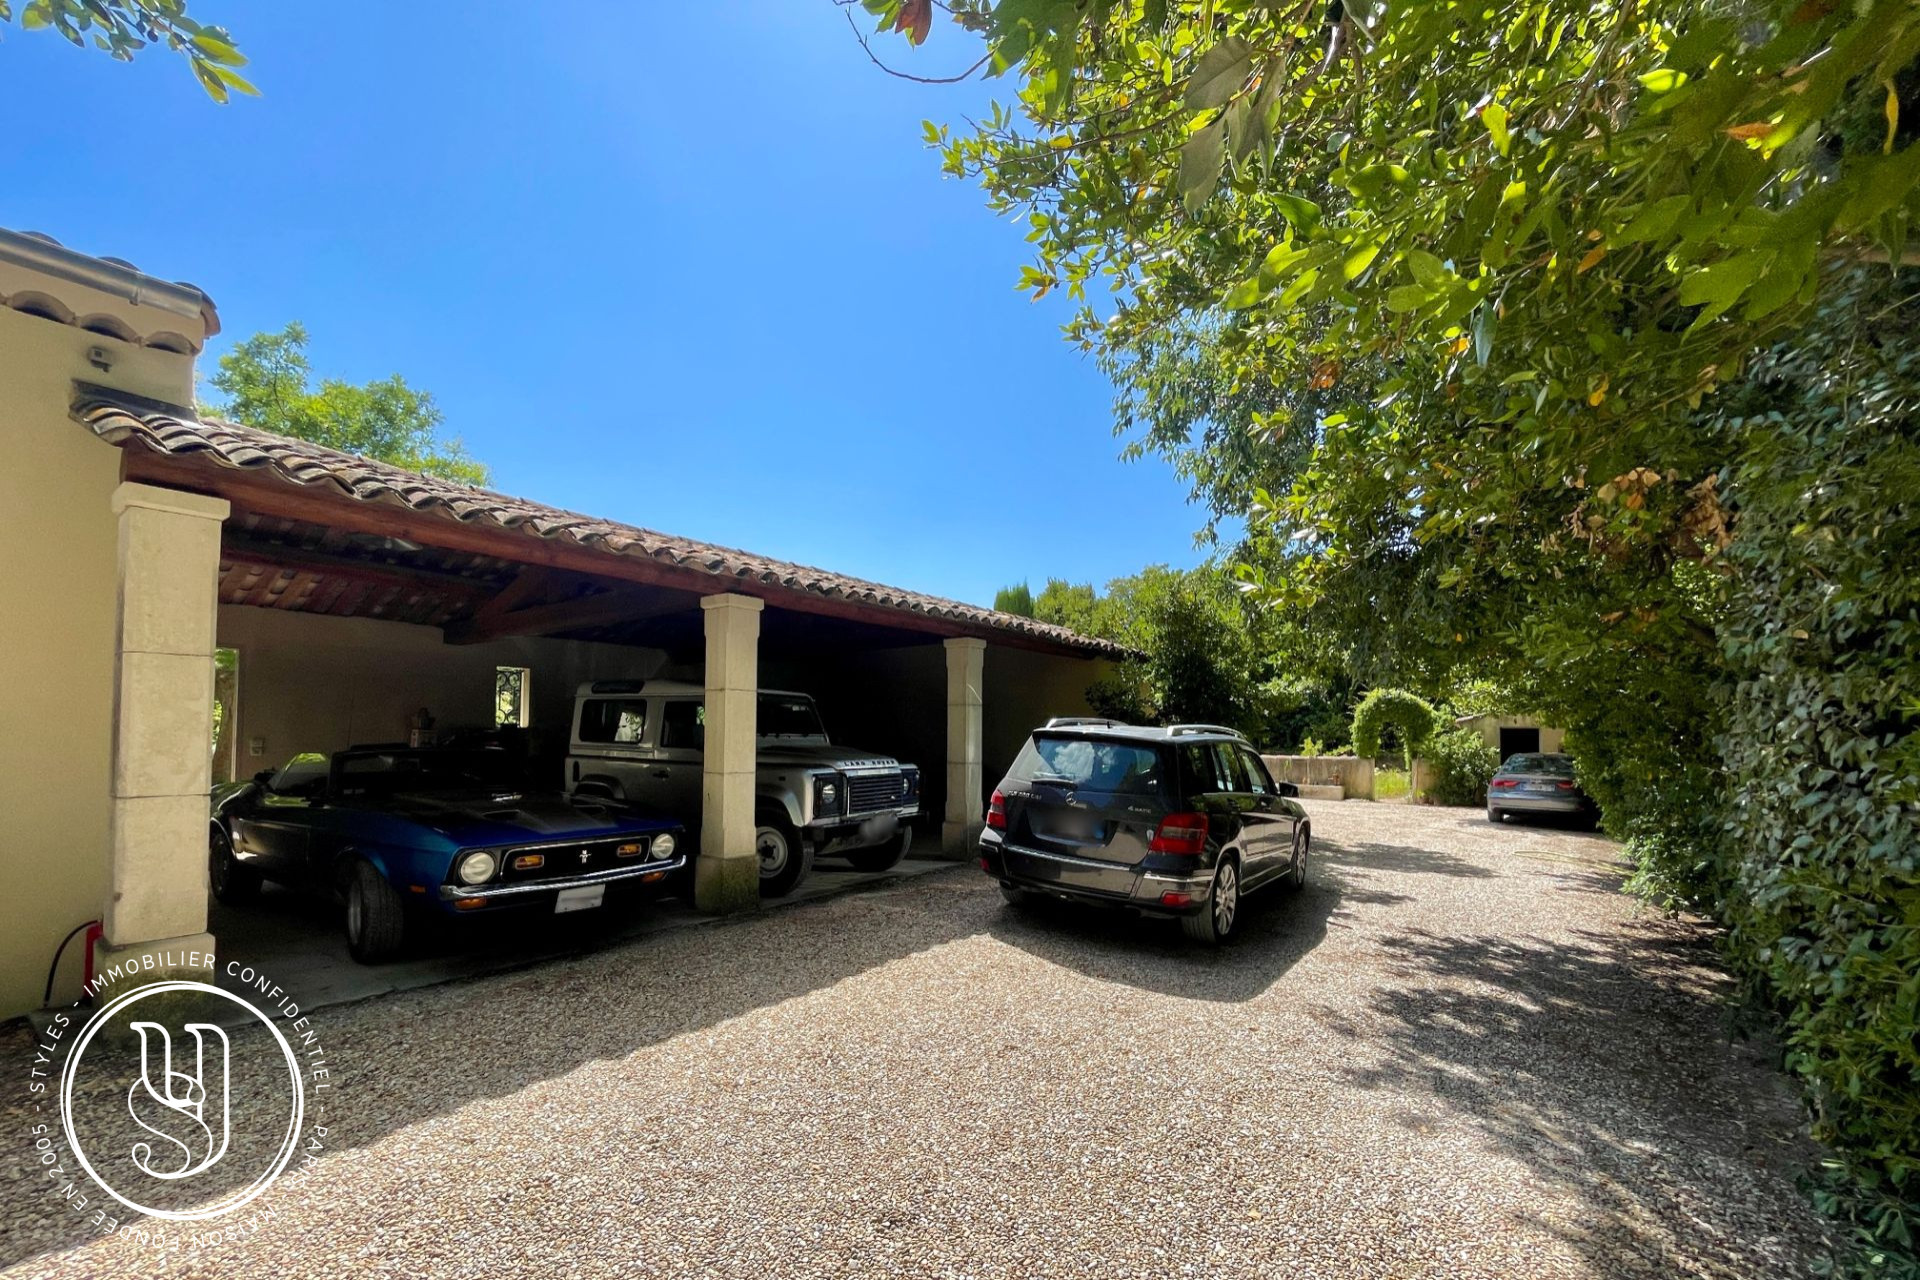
(1243, 295)
(1200, 161)
(217, 50)
(1298, 289)
(1407, 297)
(1359, 260)
(1665, 80)
(1494, 116)
(1222, 71)
(1427, 269)
(1720, 285)
(1653, 221)
(1304, 214)
(1279, 263)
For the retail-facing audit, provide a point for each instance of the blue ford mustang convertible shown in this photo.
(396, 832)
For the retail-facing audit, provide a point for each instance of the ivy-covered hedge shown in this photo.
(1461, 763)
(1409, 715)
(1823, 823)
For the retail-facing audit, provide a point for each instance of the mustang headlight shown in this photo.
(477, 867)
(662, 846)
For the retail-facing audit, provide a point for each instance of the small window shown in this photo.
(614, 720)
(1207, 768)
(512, 697)
(683, 725)
(1258, 780)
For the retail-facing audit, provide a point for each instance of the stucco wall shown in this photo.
(1023, 690)
(58, 588)
(1488, 727)
(313, 683)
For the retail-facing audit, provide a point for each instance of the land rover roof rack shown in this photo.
(1177, 730)
(1076, 722)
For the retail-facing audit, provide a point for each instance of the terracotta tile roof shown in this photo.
(119, 419)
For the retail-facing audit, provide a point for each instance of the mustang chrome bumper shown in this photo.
(449, 892)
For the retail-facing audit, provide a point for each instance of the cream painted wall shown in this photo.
(1024, 689)
(1488, 727)
(58, 589)
(313, 683)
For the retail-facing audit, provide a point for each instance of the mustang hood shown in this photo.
(518, 817)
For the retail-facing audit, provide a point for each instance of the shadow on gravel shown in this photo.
(1602, 1064)
(1278, 926)
(1399, 859)
(408, 1058)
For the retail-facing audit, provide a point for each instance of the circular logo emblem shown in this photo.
(183, 1117)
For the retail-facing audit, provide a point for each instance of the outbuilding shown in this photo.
(161, 564)
(1514, 735)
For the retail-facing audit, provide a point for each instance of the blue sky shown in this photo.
(622, 252)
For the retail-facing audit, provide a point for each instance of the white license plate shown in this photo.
(584, 898)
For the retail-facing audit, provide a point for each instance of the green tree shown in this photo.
(1075, 606)
(1015, 599)
(121, 28)
(1586, 327)
(268, 383)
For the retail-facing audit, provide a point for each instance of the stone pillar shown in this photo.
(727, 875)
(966, 659)
(155, 916)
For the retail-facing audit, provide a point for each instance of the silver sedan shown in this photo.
(1537, 783)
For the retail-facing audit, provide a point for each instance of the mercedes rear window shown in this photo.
(1090, 764)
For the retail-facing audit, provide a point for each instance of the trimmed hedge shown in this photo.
(1462, 764)
(1412, 716)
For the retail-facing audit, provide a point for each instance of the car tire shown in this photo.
(1496, 815)
(230, 880)
(1216, 924)
(376, 916)
(1297, 869)
(1018, 899)
(883, 857)
(784, 857)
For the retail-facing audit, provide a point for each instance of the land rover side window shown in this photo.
(788, 717)
(619, 721)
(1258, 780)
(683, 724)
(1114, 768)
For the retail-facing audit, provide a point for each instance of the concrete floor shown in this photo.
(298, 940)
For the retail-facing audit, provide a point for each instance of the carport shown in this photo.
(360, 600)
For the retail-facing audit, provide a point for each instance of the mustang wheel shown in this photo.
(231, 881)
(376, 917)
(784, 859)
(1216, 924)
(883, 857)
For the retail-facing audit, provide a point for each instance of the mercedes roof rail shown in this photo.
(1174, 731)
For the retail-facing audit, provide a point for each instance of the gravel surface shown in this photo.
(1457, 1053)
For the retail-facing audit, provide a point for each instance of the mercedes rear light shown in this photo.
(1184, 833)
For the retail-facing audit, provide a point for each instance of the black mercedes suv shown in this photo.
(1179, 821)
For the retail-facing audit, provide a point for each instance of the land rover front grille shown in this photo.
(871, 793)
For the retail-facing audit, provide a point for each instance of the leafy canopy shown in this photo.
(267, 382)
(122, 28)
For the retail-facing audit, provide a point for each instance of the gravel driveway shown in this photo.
(1457, 1053)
